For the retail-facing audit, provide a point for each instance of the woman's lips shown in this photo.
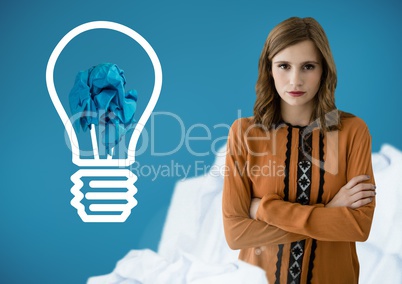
(296, 93)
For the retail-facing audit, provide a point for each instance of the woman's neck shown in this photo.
(296, 115)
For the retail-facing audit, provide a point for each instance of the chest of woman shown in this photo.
(299, 164)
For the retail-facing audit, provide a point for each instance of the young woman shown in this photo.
(299, 188)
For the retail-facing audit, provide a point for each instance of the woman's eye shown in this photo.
(284, 66)
(308, 67)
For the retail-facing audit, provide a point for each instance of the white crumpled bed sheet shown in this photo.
(193, 248)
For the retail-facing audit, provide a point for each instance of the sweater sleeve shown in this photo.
(319, 222)
(240, 230)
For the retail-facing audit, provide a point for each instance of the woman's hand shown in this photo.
(255, 202)
(354, 194)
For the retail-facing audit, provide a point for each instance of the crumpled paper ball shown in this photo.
(98, 97)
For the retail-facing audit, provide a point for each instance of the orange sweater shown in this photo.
(296, 171)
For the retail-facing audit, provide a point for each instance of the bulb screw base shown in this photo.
(108, 196)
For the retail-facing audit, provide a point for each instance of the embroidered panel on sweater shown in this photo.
(304, 166)
(302, 197)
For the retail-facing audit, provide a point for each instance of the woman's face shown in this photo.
(297, 72)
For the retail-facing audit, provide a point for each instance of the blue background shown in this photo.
(209, 52)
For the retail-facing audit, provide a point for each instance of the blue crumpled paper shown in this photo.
(98, 97)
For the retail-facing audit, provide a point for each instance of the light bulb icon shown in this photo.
(110, 182)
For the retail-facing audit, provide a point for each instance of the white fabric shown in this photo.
(194, 220)
(193, 247)
(381, 255)
(146, 266)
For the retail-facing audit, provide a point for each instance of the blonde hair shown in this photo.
(287, 33)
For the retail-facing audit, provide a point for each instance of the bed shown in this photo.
(193, 249)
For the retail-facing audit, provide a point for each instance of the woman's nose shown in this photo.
(296, 78)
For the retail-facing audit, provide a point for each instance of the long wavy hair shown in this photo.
(267, 110)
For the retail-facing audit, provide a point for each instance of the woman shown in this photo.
(299, 188)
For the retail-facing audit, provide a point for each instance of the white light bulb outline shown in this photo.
(63, 114)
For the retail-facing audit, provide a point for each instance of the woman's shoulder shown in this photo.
(350, 121)
(247, 127)
(242, 123)
(353, 127)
